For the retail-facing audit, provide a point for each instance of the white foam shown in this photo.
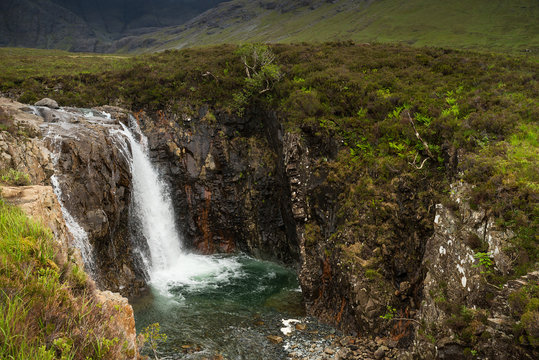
(288, 325)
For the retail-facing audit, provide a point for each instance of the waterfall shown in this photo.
(156, 241)
(168, 265)
(80, 237)
(151, 207)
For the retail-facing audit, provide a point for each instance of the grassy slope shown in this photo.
(23, 62)
(47, 308)
(496, 25)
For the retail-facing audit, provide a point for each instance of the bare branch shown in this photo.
(207, 73)
(414, 164)
(425, 145)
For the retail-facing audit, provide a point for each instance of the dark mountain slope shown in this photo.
(79, 25)
(43, 24)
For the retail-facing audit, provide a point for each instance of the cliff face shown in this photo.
(93, 177)
(458, 302)
(228, 182)
(95, 181)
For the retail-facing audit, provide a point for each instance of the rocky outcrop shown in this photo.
(24, 150)
(94, 178)
(48, 103)
(40, 203)
(355, 266)
(459, 307)
(21, 146)
(122, 319)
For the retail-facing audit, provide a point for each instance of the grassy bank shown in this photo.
(47, 308)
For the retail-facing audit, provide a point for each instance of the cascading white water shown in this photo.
(59, 125)
(152, 208)
(80, 237)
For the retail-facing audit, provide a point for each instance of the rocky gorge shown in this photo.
(428, 271)
(401, 267)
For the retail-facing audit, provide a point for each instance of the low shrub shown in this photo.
(14, 177)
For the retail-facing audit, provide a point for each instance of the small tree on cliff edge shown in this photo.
(262, 73)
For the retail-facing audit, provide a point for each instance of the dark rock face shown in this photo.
(227, 182)
(43, 24)
(350, 276)
(88, 25)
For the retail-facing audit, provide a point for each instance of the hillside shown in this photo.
(496, 25)
(142, 26)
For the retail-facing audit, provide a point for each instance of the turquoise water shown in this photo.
(226, 305)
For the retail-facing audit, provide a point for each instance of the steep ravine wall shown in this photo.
(243, 183)
(227, 181)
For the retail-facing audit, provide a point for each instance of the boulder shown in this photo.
(50, 103)
(122, 319)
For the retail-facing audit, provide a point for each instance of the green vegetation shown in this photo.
(14, 177)
(390, 314)
(21, 62)
(525, 308)
(47, 310)
(152, 336)
(262, 73)
(484, 262)
(465, 322)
